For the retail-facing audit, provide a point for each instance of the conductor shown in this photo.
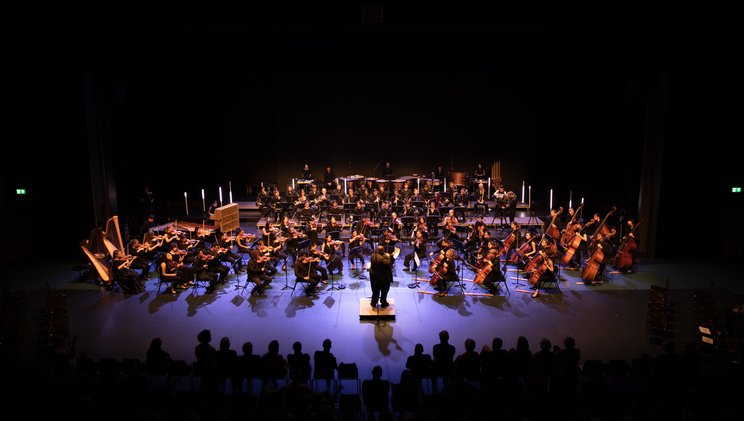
(380, 275)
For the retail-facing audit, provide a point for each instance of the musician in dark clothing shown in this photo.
(355, 247)
(126, 277)
(511, 206)
(203, 272)
(496, 274)
(419, 250)
(479, 171)
(450, 276)
(549, 221)
(257, 272)
(387, 171)
(547, 275)
(381, 276)
(440, 175)
(306, 173)
(329, 179)
(305, 269)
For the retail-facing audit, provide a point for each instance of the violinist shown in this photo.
(396, 225)
(243, 241)
(202, 271)
(124, 275)
(235, 260)
(305, 268)
(318, 255)
(418, 252)
(544, 273)
(421, 226)
(300, 200)
(331, 256)
(355, 247)
(144, 254)
(213, 263)
(389, 241)
(270, 253)
(257, 272)
(168, 270)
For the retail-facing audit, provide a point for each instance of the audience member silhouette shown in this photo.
(249, 364)
(157, 361)
(467, 364)
(299, 364)
(325, 363)
(375, 392)
(420, 364)
(206, 361)
(274, 366)
(444, 354)
(227, 364)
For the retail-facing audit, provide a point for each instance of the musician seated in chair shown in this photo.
(450, 277)
(544, 273)
(355, 247)
(496, 274)
(419, 250)
(125, 276)
(306, 269)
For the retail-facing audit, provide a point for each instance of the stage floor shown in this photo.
(607, 321)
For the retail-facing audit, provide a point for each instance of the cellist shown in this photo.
(495, 273)
(544, 273)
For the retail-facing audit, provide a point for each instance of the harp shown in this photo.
(112, 236)
(100, 248)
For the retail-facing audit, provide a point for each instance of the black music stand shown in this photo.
(348, 210)
(418, 205)
(532, 214)
(360, 272)
(432, 221)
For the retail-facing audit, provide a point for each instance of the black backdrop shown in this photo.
(565, 105)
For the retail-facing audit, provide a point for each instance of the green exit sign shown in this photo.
(20, 191)
(735, 189)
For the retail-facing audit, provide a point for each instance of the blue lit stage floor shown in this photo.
(608, 321)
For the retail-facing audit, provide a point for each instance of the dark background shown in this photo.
(571, 97)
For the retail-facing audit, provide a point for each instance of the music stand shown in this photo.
(532, 214)
(360, 272)
(418, 205)
(407, 222)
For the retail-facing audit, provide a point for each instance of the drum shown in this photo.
(352, 182)
(460, 179)
(398, 183)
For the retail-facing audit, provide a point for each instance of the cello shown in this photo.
(590, 271)
(540, 270)
(624, 257)
(488, 262)
(523, 249)
(437, 269)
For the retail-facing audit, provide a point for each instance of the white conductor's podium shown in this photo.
(367, 312)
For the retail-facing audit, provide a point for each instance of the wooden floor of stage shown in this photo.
(608, 321)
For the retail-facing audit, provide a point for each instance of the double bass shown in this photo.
(552, 229)
(590, 271)
(568, 232)
(624, 256)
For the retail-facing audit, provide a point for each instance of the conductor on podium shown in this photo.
(381, 276)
